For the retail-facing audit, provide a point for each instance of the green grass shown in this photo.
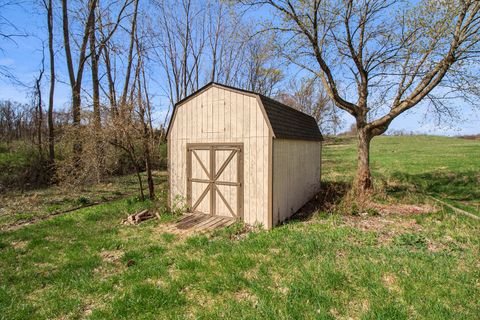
(89, 265)
(446, 168)
(21, 207)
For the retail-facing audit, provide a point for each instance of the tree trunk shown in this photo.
(51, 142)
(148, 165)
(146, 129)
(95, 81)
(97, 118)
(363, 182)
(140, 183)
(132, 31)
(39, 113)
(77, 143)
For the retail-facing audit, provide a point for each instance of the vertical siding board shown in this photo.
(203, 112)
(257, 146)
(216, 114)
(262, 184)
(248, 157)
(211, 117)
(223, 110)
(235, 115)
(253, 159)
(228, 116)
(196, 118)
(188, 111)
(269, 181)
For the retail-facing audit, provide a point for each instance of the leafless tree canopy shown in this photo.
(309, 96)
(380, 58)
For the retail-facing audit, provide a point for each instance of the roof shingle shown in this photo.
(289, 123)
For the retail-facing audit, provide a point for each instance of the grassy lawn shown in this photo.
(400, 266)
(411, 167)
(20, 207)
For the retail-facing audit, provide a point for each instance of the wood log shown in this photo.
(136, 218)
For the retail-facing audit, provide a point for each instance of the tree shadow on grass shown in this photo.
(460, 186)
(331, 193)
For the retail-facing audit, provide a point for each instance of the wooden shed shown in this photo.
(240, 154)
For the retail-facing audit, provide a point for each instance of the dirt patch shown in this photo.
(382, 223)
(19, 244)
(246, 296)
(386, 227)
(403, 209)
(87, 311)
(111, 255)
(198, 297)
(390, 282)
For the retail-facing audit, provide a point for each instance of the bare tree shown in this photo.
(178, 46)
(38, 101)
(144, 107)
(132, 33)
(98, 45)
(263, 73)
(380, 58)
(144, 111)
(51, 132)
(76, 77)
(309, 96)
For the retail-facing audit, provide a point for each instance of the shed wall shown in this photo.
(219, 115)
(296, 175)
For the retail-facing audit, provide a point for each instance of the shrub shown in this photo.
(83, 201)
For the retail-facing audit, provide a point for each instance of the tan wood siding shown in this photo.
(220, 115)
(296, 175)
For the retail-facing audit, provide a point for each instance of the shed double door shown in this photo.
(215, 179)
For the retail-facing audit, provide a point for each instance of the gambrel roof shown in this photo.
(284, 121)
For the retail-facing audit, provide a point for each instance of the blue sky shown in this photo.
(23, 58)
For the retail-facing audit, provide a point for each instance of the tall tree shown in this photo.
(38, 101)
(51, 133)
(97, 48)
(380, 58)
(76, 77)
(132, 33)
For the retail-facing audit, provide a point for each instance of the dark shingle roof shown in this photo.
(286, 122)
(289, 123)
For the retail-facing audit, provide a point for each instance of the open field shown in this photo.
(86, 264)
(410, 167)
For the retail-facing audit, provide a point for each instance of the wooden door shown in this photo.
(215, 179)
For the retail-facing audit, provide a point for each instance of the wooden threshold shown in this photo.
(199, 222)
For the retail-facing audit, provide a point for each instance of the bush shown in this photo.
(21, 167)
(83, 201)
